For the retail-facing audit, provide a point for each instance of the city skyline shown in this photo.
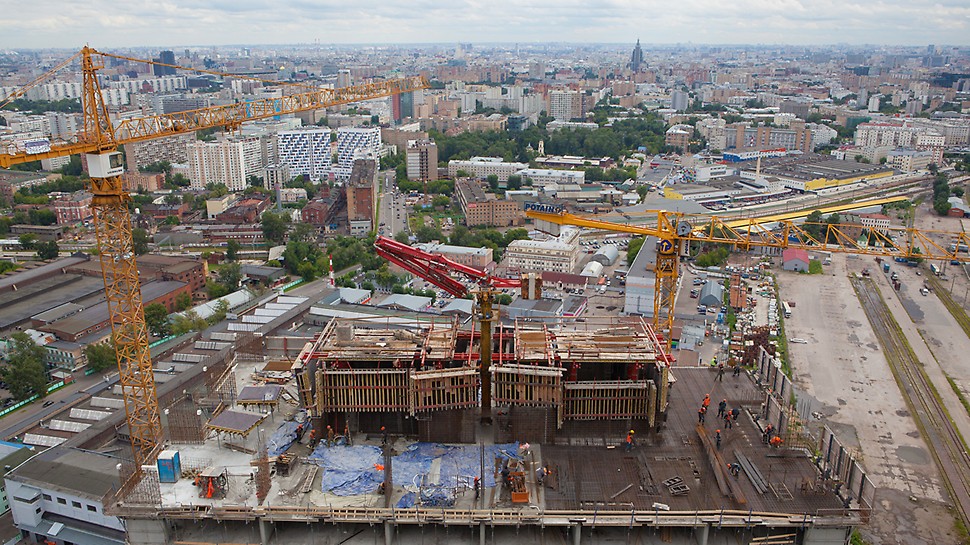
(178, 23)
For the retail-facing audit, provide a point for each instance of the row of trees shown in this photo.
(941, 193)
(818, 227)
(611, 140)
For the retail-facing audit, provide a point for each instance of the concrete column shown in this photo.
(265, 531)
(481, 533)
(388, 532)
(577, 532)
(701, 533)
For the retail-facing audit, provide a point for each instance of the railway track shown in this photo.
(956, 309)
(942, 437)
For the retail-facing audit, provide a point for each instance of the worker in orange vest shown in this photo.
(776, 441)
(629, 441)
(707, 401)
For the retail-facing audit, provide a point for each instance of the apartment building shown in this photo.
(226, 161)
(353, 143)
(542, 255)
(422, 160)
(306, 152)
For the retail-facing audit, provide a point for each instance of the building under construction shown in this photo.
(374, 428)
(427, 383)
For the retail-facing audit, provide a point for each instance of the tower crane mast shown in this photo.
(99, 142)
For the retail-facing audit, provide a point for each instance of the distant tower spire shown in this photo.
(636, 60)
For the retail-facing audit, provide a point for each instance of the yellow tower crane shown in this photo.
(674, 230)
(99, 142)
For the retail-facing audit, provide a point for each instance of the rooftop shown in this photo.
(74, 471)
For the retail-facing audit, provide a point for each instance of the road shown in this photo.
(86, 386)
(392, 216)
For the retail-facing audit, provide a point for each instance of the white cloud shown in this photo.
(107, 24)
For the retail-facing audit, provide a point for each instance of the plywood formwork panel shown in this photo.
(443, 389)
(527, 385)
(597, 400)
(367, 390)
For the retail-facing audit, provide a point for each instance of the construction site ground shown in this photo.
(844, 375)
(598, 477)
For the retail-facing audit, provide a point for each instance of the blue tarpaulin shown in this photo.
(282, 438)
(349, 471)
(406, 501)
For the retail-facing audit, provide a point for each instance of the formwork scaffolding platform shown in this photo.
(365, 376)
(612, 369)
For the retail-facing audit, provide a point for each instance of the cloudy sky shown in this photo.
(110, 23)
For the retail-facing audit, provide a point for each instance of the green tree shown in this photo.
(274, 227)
(514, 182)
(426, 233)
(28, 241)
(402, 237)
(230, 276)
(303, 232)
(139, 240)
(814, 225)
(101, 356)
(633, 249)
(232, 249)
(220, 312)
(492, 182)
(188, 322)
(156, 318)
(215, 290)
(47, 250)
(7, 266)
(24, 371)
(42, 216)
(183, 301)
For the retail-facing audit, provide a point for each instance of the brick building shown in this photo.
(94, 319)
(485, 209)
(360, 196)
(153, 268)
(72, 208)
(145, 181)
(247, 210)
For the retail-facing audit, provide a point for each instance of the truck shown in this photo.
(885, 267)
(934, 269)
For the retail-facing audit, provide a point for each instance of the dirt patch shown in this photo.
(896, 519)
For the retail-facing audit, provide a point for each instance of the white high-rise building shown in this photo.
(306, 152)
(565, 104)
(679, 100)
(63, 126)
(352, 143)
(226, 161)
